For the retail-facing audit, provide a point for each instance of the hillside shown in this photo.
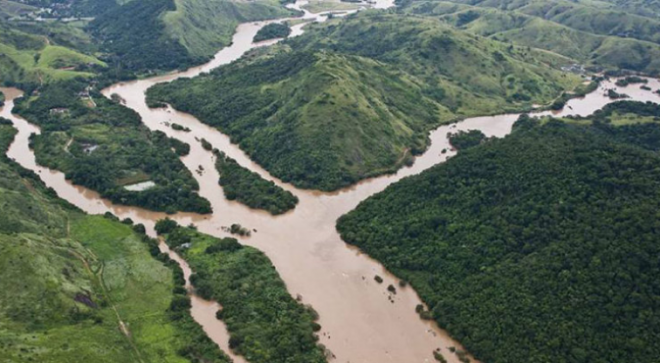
(132, 37)
(28, 59)
(203, 27)
(591, 35)
(152, 35)
(71, 283)
(617, 19)
(541, 246)
(353, 99)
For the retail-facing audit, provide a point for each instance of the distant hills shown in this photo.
(606, 36)
(131, 38)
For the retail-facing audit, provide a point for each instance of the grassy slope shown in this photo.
(10, 9)
(26, 58)
(568, 34)
(266, 324)
(539, 247)
(154, 35)
(362, 95)
(66, 277)
(319, 6)
(204, 27)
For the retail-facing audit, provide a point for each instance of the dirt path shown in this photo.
(68, 144)
(99, 276)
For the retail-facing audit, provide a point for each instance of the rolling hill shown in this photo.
(74, 286)
(352, 99)
(30, 59)
(157, 35)
(586, 34)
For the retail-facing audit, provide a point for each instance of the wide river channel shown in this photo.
(362, 322)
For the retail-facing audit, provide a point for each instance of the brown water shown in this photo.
(362, 322)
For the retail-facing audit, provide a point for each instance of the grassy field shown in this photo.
(28, 58)
(75, 287)
(619, 119)
(11, 9)
(58, 57)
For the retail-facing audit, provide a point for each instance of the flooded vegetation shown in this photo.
(361, 320)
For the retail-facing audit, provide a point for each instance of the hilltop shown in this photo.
(356, 98)
(604, 37)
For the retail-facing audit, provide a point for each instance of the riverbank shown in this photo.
(361, 320)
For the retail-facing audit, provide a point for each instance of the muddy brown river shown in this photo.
(362, 322)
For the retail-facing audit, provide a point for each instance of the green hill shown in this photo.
(538, 247)
(203, 27)
(77, 287)
(29, 59)
(356, 98)
(586, 34)
(152, 35)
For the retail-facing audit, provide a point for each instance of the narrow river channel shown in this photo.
(362, 322)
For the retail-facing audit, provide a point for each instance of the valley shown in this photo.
(362, 318)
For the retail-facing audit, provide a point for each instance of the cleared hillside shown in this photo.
(29, 59)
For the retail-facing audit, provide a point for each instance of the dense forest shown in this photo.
(272, 31)
(463, 140)
(538, 247)
(135, 37)
(73, 285)
(356, 98)
(266, 324)
(249, 188)
(104, 146)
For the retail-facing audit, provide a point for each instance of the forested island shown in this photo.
(249, 188)
(537, 247)
(266, 324)
(100, 144)
(272, 31)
